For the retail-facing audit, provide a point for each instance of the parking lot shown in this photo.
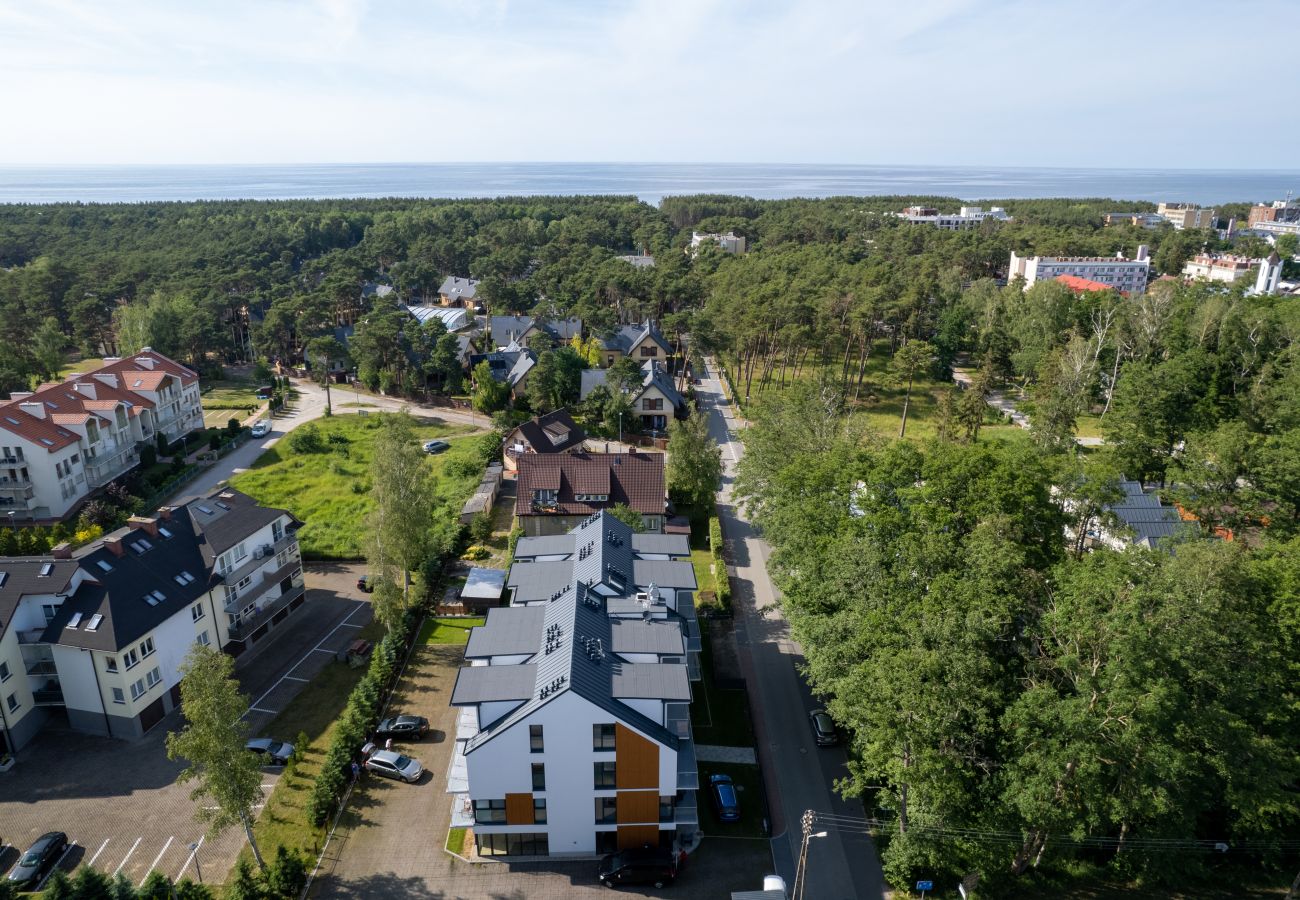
(118, 801)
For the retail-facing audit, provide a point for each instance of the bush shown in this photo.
(717, 547)
(148, 456)
(480, 527)
(214, 440)
(306, 439)
(475, 552)
(232, 427)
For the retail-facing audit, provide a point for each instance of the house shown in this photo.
(510, 365)
(574, 734)
(1186, 215)
(728, 243)
(966, 218)
(457, 291)
(66, 439)
(97, 635)
(1141, 517)
(642, 341)
(523, 330)
(1125, 275)
(555, 432)
(654, 401)
(556, 491)
(1227, 268)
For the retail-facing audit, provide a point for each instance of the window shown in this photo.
(666, 807)
(130, 659)
(606, 810)
(154, 676)
(535, 738)
(49, 609)
(490, 812)
(602, 737)
(197, 612)
(4, 671)
(519, 844)
(93, 624)
(604, 774)
(539, 812)
(277, 532)
(118, 696)
(649, 350)
(591, 498)
(539, 777)
(137, 689)
(656, 403)
(12, 702)
(146, 648)
(110, 662)
(542, 496)
(203, 639)
(240, 552)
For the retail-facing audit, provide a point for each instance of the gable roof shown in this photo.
(459, 288)
(657, 376)
(1143, 513)
(226, 517)
(627, 337)
(554, 432)
(636, 479)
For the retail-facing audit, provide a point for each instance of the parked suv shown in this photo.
(652, 865)
(823, 727)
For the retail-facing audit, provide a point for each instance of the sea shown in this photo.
(650, 182)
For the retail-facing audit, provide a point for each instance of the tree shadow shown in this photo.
(380, 884)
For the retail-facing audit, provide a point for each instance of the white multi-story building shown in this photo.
(1125, 275)
(98, 635)
(574, 736)
(1228, 269)
(64, 440)
(966, 217)
(729, 242)
(1186, 215)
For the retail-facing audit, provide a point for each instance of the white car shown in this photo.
(392, 764)
(261, 429)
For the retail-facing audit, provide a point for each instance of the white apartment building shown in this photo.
(729, 242)
(574, 736)
(95, 637)
(1186, 215)
(966, 217)
(64, 440)
(1226, 268)
(1125, 275)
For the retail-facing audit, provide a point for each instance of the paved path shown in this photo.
(797, 774)
(999, 401)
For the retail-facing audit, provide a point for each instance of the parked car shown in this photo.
(725, 799)
(651, 865)
(365, 584)
(261, 429)
(276, 753)
(823, 727)
(392, 764)
(37, 862)
(436, 446)
(403, 727)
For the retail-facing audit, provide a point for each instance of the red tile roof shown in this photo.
(1082, 285)
(636, 479)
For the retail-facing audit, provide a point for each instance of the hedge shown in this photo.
(716, 547)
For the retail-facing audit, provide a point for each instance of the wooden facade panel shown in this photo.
(637, 806)
(636, 759)
(519, 809)
(633, 836)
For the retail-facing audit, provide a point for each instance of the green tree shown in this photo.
(91, 884)
(694, 461)
(628, 516)
(212, 743)
(156, 886)
(489, 394)
(322, 353)
(402, 489)
(1207, 473)
(1276, 478)
(287, 875)
(914, 356)
(245, 885)
(122, 889)
(48, 344)
(189, 890)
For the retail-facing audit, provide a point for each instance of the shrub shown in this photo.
(480, 528)
(476, 552)
(515, 534)
(148, 456)
(214, 440)
(306, 439)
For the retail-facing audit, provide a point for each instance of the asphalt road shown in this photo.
(797, 774)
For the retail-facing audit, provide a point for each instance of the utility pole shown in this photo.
(801, 870)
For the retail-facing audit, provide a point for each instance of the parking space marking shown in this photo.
(319, 650)
(189, 859)
(296, 678)
(99, 851)
(128, 855)
(360, 604)
(154, 864)
(57, 863)
(261, 710)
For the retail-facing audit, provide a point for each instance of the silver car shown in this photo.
(275, 753)
(392, 764)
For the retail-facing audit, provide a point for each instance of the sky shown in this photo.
(1097, 83)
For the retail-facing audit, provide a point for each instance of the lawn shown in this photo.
(458, 840)
(447, 631)
(329, 490)
(85, 365)
(719, 716)
(749, 792)
(226, 400)
(1088, 425)
(701, 561)
(314, 713)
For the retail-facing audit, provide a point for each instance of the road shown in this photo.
(797, 774)
(309, 405)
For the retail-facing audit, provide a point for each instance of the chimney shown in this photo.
(145, 523)
(62, 551)
(113, 545)
(33, 408)
(1142, 252)
(165, 513)
(19, 395)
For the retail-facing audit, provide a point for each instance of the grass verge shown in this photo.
(749, 790)
(457, 840)
(446, 631)
(719, 715)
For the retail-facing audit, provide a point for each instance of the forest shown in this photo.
(1022, 708)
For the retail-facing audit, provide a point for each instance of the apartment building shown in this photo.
(967, 217)
(1125, 275)
(94, 638)
(61, 442)
(556, 491)
(728, 243)
(1227, 268)
(1148, 221)
(574, 735)
(1186, 215)
(1279, 211)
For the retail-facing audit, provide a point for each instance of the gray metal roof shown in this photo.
(545, 545)
(1145, 515)
(669, 573)
(486, 684)
(591, 379)
(646, 636)
(539, 580)
(508, 631)
(604, 553)
(650, 681)
(462, 288)
(672, 544)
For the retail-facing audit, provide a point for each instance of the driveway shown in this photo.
(844, 864)
(118, 801)
(390, 843)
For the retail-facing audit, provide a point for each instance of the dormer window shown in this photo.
(543, 496)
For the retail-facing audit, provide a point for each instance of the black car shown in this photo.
(653, 866)
(39, 859)
(403, 727)
(823, 727)
(365, 585)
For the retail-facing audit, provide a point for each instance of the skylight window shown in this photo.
(164, 532)
(4, 576)
(205, 510)
(11, 420)
(137, 382)
(159, 596)
(103, 564)
(184, 578)
(93, 624)
(75, 620)
(46, 569)
(149, 598)
(47, 442)
(225, 506)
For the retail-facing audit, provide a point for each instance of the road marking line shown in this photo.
(296, 678)
(316, 650)
(99, 851)
(153, 865)
(128, 855)
(260, 709)
(359, 605)
(189, 859)
(58, 862)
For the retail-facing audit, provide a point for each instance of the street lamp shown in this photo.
(801, 871)
(194, 851)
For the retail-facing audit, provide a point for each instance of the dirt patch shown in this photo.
(726, 656)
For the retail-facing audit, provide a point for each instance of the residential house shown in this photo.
(1125, 275)
(1186, 215)
(966, 218)
(556, 491)
(655, 400)
(66, 439)
(574, 735)
(525, 330)
(555, 432)
(511, 364)
(728, 243)
(641, 342)
(1138, 518)
(96, 636)
(457, 291)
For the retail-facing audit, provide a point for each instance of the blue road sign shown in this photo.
(925, 885)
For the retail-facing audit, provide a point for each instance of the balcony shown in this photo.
(18, 487)
(12, 461)
(249, 624)
(262, 555)
(686, 811)
(677, 719)
(257, 589)
(42, 667)
(50, 695)
(688, 769)
(31, 636)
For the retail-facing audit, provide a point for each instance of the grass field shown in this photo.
(447, 631)
(84, 365)
(226, 400)
(329, 491)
